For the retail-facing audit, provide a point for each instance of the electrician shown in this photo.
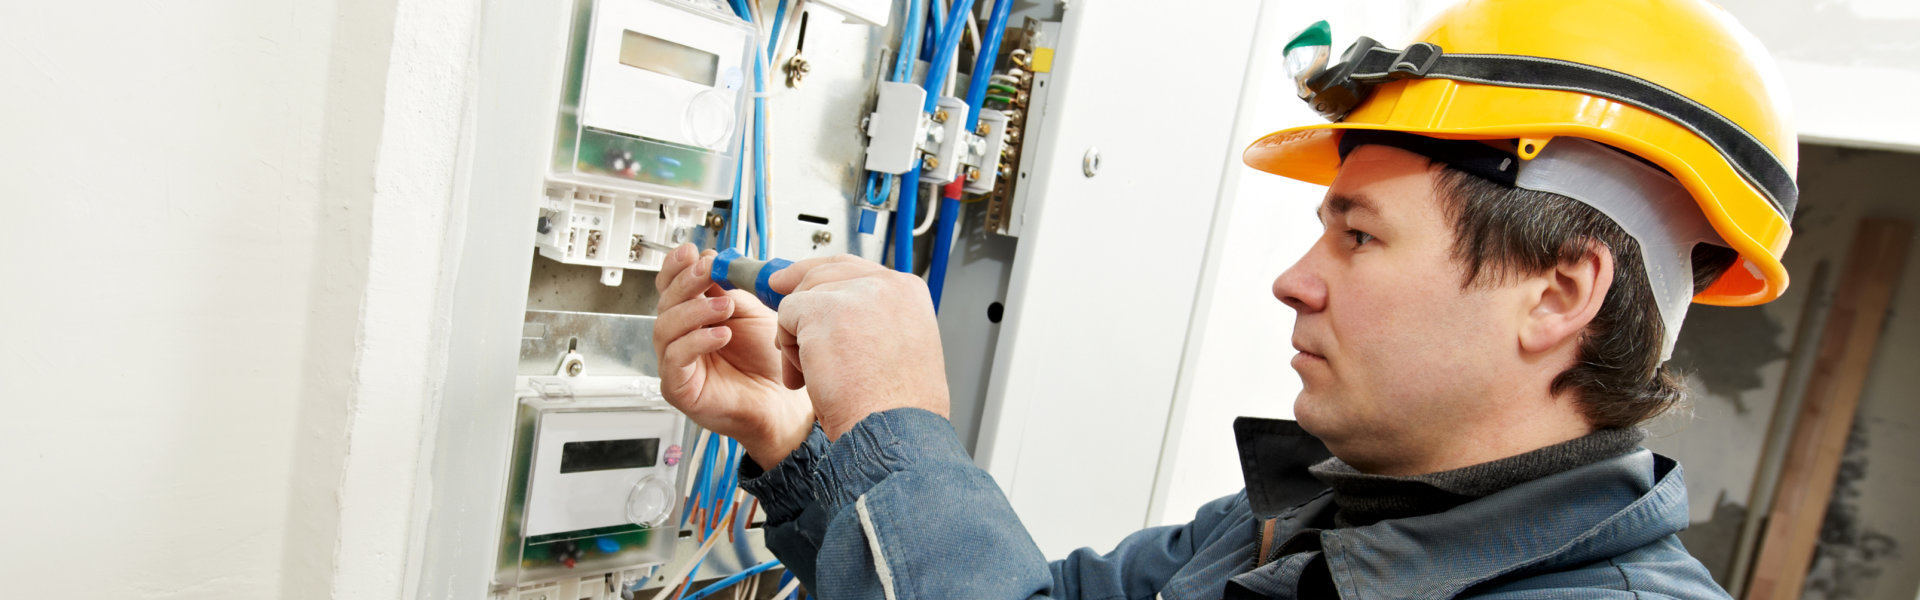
(1520, 207)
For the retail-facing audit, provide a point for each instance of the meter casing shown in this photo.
(649, 130)
(655, 98)
(592, 486)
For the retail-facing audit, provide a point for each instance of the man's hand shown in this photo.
(861, 338)
(718, 363)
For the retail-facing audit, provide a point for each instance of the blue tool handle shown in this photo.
(733, 270)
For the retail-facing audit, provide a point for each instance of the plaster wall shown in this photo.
(172, 171)
(230, 223)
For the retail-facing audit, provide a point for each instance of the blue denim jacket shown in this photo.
(896, 509)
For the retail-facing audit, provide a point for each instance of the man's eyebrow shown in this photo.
(1341, 204)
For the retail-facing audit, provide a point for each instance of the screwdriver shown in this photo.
(733, 270)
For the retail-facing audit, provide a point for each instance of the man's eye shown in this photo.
(1360, 238)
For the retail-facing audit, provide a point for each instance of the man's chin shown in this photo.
(1307, 410)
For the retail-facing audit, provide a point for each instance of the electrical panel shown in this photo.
(662, 136)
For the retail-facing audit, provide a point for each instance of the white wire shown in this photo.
(933, 208)
(787, 592)
(973, 34)
(681, 573)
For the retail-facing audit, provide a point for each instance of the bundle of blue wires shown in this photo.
(984, 57)
(946, 47)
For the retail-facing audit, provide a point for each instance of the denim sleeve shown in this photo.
(1141, 565)
(896, 509)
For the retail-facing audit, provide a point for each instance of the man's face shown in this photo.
(1394, 354)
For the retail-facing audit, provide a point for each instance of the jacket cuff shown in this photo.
(837, 473)
(785, 491)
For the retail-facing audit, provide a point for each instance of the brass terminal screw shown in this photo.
(981, 130)
(822, 237)
(940, 116)
(973, 174)
(931, 163)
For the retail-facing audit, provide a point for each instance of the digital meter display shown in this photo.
(605, 455)
(643, 51)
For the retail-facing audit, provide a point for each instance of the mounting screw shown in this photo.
(822, 237)
(934, 163)
(797, 70)
(1090, 164)
(940, 116)
(574, 367)
(715, 221)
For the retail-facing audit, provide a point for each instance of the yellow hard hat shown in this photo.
(1676, 82)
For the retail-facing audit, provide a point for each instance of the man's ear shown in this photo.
(1569, 295)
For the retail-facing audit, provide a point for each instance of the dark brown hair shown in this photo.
(1501, 232)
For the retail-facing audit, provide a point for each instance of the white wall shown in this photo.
(1236, 362)
(220, 285)
(164, 177)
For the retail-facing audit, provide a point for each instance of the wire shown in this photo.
(904, 217)
(789, 585)
(733, 579)
(886, 189)
(910, 40)
(926, 224)
(948, 45)
(693, 565)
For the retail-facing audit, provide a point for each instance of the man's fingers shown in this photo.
(788, 280)
(790, 373)
(679, 320)
(680, 361)
(691, 282)
(677, 259)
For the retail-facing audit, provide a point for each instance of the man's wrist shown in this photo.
(770, 449)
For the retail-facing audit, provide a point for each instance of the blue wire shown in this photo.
(886, 188)
(760, 154)
(947, 47)
(904, 218)
(733, 579)
(910, 41)
(942, 249)
(989, 51)
(690, 575)
(779, 15)
(786, 578)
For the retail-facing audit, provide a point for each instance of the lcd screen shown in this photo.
(602, 455)
(643, 51)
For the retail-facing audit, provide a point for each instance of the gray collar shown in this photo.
(1365, 499)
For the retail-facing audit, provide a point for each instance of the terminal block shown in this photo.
(614, 229)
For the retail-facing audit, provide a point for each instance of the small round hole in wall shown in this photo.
(995, 311)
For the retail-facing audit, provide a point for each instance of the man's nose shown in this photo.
(1300, 287)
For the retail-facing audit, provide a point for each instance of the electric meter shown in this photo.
(597, 453)
(649, 130)
(656, 95)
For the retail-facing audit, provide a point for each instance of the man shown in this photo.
(1519, 210)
